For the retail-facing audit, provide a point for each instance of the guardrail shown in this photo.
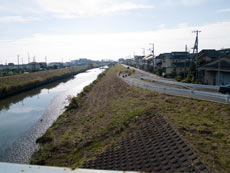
(201, 95)
(182, 84)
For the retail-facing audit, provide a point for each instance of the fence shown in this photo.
(201, 95)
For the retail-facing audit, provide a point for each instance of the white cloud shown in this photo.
(6, 19)
(191, 2)
(85, 8)
(181, 2)
(224, 10)
(115, 45)
(23, 110)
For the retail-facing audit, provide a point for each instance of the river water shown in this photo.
(27, 116)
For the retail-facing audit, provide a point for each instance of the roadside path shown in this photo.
(135, 79)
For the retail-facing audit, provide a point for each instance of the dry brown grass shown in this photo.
(16, 82)
(111, 108)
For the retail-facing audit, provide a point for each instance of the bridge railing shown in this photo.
(20, 168)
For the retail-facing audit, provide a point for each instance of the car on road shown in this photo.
(225, 89)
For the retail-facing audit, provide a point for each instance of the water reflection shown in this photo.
(20, 115)
(5, 103)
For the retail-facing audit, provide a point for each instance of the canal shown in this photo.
(27, 116)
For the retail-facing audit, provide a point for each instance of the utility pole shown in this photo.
(195, 49)
(152, 44)
(219, 73)
(154, 60)
(28, 57)
(186, 54)
(18, 62)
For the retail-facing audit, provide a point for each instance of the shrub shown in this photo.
(73, 103)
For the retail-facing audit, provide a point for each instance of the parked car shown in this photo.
(225, 89)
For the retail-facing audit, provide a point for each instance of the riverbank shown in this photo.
(32, 112)
(12, 85)
(109, 110)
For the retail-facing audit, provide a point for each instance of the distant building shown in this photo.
(148, 63)
(121, 60)
(139, 61)
(225, 51)
(81, 62)
(207, 55)
(175, 62)
(55, 65)
(216, 72)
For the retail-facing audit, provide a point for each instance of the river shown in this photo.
(27, 116)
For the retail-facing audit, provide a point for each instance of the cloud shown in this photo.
(86, 8)
(191, 2)
(224, 10)
(7, 19)
(181, 2)
(23, 110)
(115, 45)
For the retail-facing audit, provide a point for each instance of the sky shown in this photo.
(108, 29)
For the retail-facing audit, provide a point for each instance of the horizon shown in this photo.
(102, 29)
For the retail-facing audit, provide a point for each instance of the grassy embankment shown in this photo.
(14, 84)
(108, 109)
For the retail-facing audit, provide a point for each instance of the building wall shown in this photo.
(181, 70)
(210, 78)
(224, 78)
(169, 70)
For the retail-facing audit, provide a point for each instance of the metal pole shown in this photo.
(28, 57)
(154, 61)
(195, 49)
(185, 59)
(18, 62)
(219, 73)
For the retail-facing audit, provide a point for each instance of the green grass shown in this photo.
(17, 82)
(109, 109)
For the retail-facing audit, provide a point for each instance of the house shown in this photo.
(130, 62)
(225, 51)
(175, 63)
(121, 60)
(139, 61)
(207, 55)
(216, 72)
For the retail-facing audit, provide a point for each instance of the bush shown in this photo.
(189, 79)
(73, 103)
(159, 72)
(178, 78)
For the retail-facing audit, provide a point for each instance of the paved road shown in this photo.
(135, 79)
